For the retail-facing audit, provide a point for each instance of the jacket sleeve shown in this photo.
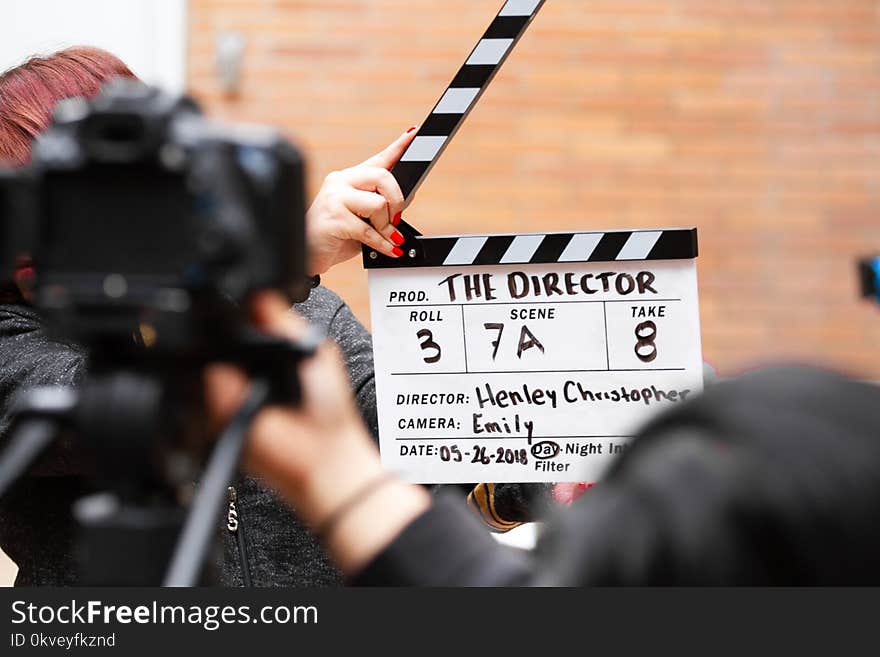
(326, 311)
(446, 546)
(29, 359)
(357, 349)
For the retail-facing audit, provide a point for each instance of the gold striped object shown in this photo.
(481, 501)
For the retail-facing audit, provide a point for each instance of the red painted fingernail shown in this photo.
(397, 252)
(410, 129)
(396, 219)
(397, 238)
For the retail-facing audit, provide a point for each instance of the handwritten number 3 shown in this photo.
(428, 343)
(646, 333)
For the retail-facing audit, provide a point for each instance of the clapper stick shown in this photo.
(457, 102)
(463, 93)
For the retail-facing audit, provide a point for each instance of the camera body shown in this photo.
(140, 215)
(16, 219)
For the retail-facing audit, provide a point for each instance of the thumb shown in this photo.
(389, 157)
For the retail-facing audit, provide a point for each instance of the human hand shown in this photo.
(565, 494)
(302, 449)
(359, 205)
(318, 454)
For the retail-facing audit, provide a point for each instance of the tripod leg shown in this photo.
(30, 440)
(38, 414)
(195, 539)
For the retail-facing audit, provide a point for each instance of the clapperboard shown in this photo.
(530, 357)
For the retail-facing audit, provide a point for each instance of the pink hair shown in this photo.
(28, 93)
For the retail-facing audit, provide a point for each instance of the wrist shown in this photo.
(301, 468)
(362, 531)
(357, 507)
(337, 475)
(314, 476)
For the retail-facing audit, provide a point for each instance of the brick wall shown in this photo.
(756, 120)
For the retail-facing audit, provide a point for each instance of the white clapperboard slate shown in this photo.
(523, 358)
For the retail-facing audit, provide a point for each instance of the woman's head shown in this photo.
(28, 93)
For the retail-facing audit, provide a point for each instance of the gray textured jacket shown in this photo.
(36, 531)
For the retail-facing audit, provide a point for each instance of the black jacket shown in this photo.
(270, 545)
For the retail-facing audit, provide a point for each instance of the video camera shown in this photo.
(148, 227)
(141, 215)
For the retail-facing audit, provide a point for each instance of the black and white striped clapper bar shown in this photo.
(546, 248)
(469, 84)
(456, 103)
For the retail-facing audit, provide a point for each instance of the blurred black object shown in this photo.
(869, 276)
(137, 211)
(16, 224)
(768, 479)
(148, 227)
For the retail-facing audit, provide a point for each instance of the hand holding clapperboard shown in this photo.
(523, 358)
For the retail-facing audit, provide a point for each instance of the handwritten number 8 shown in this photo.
(428, 343)
(645, 349)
